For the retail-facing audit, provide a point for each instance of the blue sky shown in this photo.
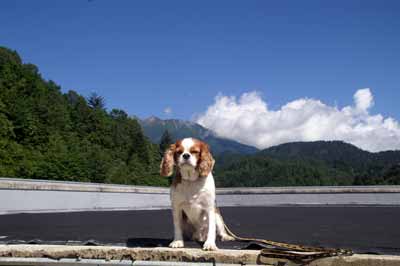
(144, 56)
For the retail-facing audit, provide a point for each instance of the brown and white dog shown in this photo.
(193, 193)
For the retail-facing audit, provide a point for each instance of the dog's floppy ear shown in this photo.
(168, 161)
(206, 163)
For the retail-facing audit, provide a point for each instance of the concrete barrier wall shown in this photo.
(59, 255)
(23, 195)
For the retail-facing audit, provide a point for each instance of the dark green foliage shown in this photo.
(96, 101)
(310, 163)
(265, 171)
(165, 142)
(45, 134)
(392, 175)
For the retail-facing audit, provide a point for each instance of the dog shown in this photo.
(194, 211)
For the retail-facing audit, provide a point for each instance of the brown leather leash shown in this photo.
(291, 251)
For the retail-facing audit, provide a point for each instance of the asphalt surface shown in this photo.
(363, 229)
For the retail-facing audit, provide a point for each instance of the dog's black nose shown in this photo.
(186, 156)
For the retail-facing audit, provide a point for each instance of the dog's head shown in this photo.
(187, 153)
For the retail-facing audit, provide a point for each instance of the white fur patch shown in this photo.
(187, 144)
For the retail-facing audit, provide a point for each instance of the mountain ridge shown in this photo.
(154, 127)
(311, 163)
(330, 151)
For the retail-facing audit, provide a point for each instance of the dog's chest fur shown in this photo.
(194, 197)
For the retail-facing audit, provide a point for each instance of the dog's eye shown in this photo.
(179, 152)
(195, 152)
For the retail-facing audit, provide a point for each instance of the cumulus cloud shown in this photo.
(249, 120)
(168, 110)
(363, 99)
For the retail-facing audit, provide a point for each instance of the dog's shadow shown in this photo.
(146, 242)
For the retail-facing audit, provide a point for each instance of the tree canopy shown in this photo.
(48, 134)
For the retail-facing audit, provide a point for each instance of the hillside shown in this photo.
(311, 163)
(47, 134)
(335, 154)
(329, 151)
(154, 127)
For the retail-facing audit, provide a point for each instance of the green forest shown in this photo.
(320, 163)
(48, 134)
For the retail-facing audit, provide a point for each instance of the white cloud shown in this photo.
(248, 120)
(363, 99)
(168, 110)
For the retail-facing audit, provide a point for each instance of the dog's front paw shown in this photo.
(226, 237)
(209, 246)
(176, 244)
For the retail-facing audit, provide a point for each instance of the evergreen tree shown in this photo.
(165, 142)
(96, 101)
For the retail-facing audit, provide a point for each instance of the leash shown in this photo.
(291, 251)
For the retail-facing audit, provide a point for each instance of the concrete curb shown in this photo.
(96, 262)
(310, 190)
(123, 254)
(33, 184)
(26, 195)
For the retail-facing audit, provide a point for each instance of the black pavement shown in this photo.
(363, 229)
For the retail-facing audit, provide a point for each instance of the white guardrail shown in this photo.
(26, 195)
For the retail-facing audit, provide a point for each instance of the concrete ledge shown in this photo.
(26, 195)
(310, 190)
(123, 253)
(97, 262)
(11, 253)
(34, 184)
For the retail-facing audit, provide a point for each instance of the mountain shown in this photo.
(333, 153)
(154, 127)
(338, 155)
(325, 150)
(310, 163)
